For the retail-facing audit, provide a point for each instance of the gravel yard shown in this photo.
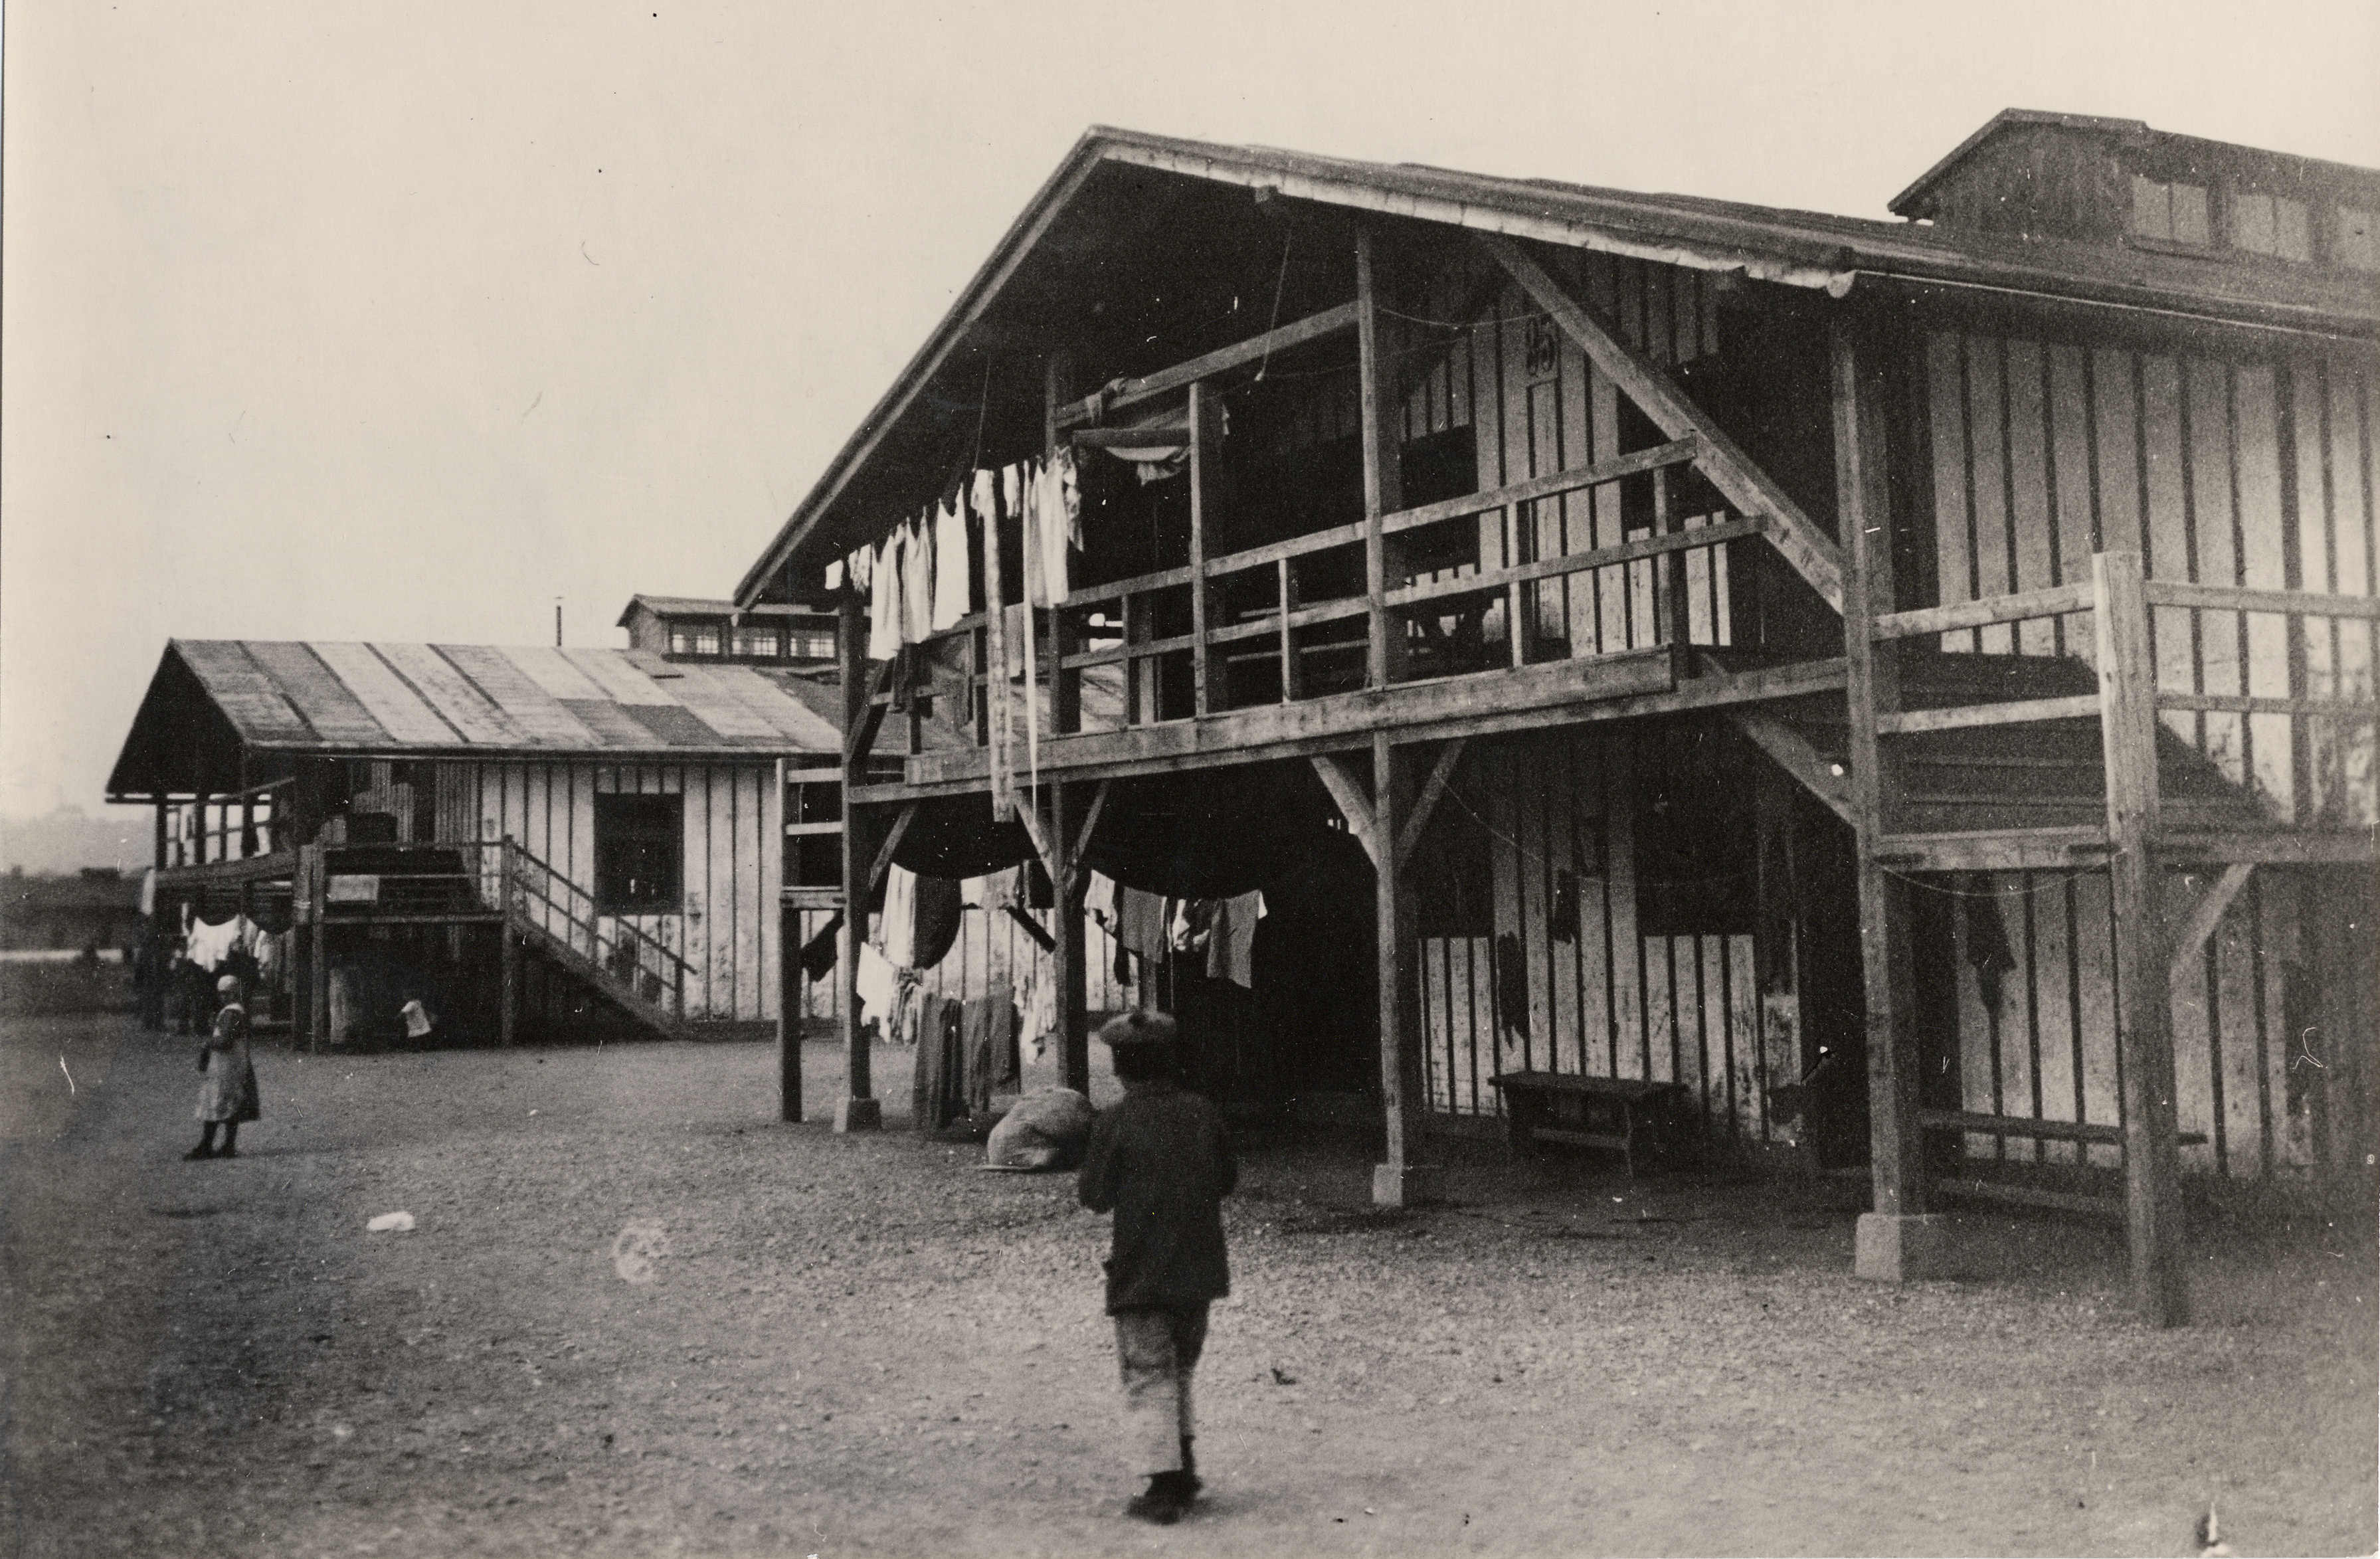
(639, 1316)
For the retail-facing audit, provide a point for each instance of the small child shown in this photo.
(228, 1095)
(1162, 1162)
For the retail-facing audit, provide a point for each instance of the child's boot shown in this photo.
(1190, 1483)
(1161, 1503)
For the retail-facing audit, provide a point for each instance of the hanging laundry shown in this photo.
(834, 575)
(1057, 524)
(1140, 922)
(878, 984)
(938, 1085)
(1012, 490)
(1036, 1000)
(951, 582)
(917, 581)
(823, 950)
(861, 567)
(987, 1038)
(1231, 939)
(896, 923)
(209, 943)
(884, 601)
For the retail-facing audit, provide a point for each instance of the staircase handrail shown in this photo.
(540, 882)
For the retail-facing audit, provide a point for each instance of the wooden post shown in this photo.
(2143, 1014)
(1383, 480)
(1397, 1180)
(1898, 1239)
(1286, 581)
(789, 990)
(1066, 966)
(162, 821)
(998, 732)
(509, 1013)
(858, 1110)
(318, 887)
(1201, 693)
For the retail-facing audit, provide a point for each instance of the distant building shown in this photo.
(684, 629)
(98, 906)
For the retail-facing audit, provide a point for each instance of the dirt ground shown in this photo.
(866, 1344)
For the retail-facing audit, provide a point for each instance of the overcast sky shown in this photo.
(383, 320)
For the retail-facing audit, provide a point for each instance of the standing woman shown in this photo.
(228, 1095)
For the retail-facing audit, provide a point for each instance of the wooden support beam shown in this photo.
(1433, 791)
(1791, 751)
(1090, 822)
(1067, 968)
(789, 965)
(1347, 794)
(1201, 689)
(1895, 1239)
(318, 1015)
(1397, 1180)
(858, 1110)
(883, 862)
(1132, 392)
(1383, 477)
(2204, 917)
(1747, 488)
(2143, 1021)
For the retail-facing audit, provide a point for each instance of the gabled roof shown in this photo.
(1793, 248)
(450, 701)
(1910, 202)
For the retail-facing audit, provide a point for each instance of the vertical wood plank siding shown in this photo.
(2254, 473)
(1580, 993)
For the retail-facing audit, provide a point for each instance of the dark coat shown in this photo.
(1161, 1161)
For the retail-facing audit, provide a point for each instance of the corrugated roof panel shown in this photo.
(336, 714)
(543, 721)
(621, 682)
(456, 701)
(698, 689)
(768, 699)
(676, 724)
(549, 670)
(613, 724)
(244, 690)
(396, 706)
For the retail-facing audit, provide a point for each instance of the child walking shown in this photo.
(228, 1095)
(1161, 1161)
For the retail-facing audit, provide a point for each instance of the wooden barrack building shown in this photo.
(1908, 687)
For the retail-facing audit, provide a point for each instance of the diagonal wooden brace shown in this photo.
(1809, 550)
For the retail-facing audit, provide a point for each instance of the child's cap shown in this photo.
(1137, 1028)
(227, 986)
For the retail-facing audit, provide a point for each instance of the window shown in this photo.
(2358, 244)
(2263, 224)
(681, 642)
(639, 854)
(812, 646)
(757, 642)
(706, 641)
(2173, 213)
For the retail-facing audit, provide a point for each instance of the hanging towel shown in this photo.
(878, 985)
(1056, 520)
(950, 565)
(861, 566)
(834, 575)
(897, 923)
(987, 1027)
(917, 581)
(884, 601)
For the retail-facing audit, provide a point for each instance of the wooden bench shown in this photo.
(1623, 1115)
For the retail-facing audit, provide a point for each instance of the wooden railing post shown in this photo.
(1383, 477)
(1898, 1239)
(1285, 588)
(2128, 723)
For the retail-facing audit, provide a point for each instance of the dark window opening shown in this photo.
(639, 854)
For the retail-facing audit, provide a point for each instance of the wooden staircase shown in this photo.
(549, 915)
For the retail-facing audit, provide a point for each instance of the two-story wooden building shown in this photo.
(1907, 687)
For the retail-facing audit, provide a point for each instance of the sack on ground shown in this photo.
(1046, 1129)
